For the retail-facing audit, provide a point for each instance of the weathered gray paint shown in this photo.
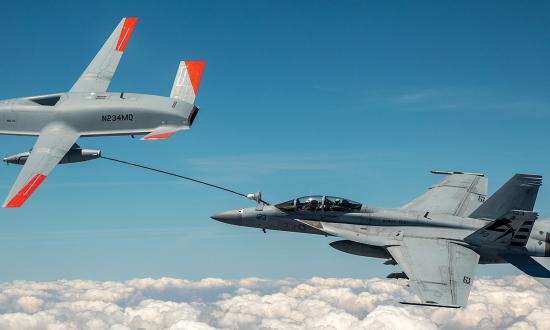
(432, 238)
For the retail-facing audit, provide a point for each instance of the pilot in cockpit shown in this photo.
(327, 205)
(311, 204)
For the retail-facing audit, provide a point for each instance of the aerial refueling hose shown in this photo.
(258, 197)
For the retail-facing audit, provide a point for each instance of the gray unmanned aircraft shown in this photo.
(87, 109)
(438, 239)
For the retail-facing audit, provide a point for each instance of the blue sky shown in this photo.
(359, 99)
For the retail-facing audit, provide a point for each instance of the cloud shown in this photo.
(418, 96)
(456, 99)
(516, 302)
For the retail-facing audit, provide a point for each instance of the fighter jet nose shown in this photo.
(233, 217)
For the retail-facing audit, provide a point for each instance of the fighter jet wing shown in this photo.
(99, 73)
(440, 272)
(458, 194)
(52, 145)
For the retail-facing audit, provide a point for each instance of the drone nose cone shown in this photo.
(233, 217)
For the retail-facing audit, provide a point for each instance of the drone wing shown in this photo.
(99, 73)
(52, 145)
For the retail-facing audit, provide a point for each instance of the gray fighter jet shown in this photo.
(438, 239)
(87, 109)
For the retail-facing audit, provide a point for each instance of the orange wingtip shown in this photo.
(195, 69)
(126, 33)
(159, 136)
(26, 192)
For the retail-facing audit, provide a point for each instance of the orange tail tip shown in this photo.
(187, 81)
(162, 133)
(126, 33)
(195, 70)
(159, 136)
(26, 192)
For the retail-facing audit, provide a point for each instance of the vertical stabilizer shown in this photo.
(188, 78)
(518, 193)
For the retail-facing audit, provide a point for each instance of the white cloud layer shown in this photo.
(516, 302)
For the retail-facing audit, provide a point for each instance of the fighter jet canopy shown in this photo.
(320, 203)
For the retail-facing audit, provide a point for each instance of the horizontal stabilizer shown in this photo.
(529, 265)
(537, 267)
(544, 262)
(518, 193)
(512, 229)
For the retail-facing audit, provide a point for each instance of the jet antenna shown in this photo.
(256, 196)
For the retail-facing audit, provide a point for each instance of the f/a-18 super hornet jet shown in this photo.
(87, 109)
(438, 239)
